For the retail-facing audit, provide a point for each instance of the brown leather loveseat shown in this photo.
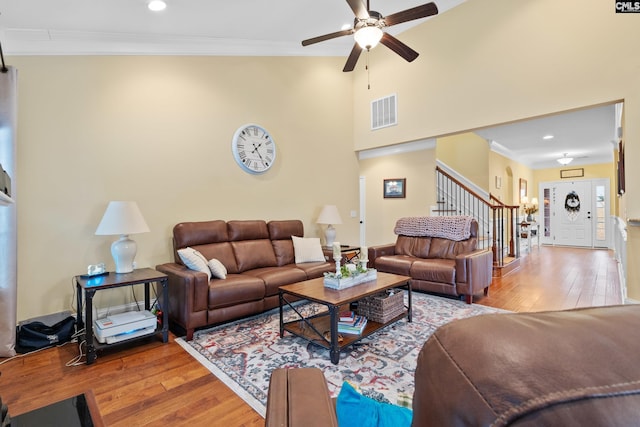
(439, 254)
(259, 257)
(558, 368)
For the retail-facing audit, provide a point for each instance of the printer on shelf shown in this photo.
(123, 326)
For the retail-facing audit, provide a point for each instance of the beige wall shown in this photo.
(468, 154)
(473, 73)
(418, 167)
(158, 130)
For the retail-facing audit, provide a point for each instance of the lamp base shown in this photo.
(123, 252)
(329, 235)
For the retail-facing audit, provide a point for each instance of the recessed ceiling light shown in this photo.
(547, 137)
(157, 5)
(345, 26)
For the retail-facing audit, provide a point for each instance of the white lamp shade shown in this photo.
(329, 215)
(122, 218)
(368, 37)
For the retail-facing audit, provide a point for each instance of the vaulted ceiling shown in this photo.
(269, 28)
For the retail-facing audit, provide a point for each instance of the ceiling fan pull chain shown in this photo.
(368, 72)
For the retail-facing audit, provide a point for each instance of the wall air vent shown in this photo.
(384, 112)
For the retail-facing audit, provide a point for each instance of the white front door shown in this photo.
(573, 214)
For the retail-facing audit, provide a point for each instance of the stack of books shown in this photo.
(351, 323)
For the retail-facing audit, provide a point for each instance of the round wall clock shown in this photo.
(253, 148)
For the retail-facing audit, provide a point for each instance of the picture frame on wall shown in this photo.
(394, 188)
(572, 173)
(523, 189)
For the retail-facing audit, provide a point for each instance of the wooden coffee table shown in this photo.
(314, 328)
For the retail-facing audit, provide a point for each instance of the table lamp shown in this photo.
(122, 218)
(330, 216)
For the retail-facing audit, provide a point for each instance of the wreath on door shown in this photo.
(572, 205)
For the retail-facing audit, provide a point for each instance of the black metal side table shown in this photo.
(112, 280)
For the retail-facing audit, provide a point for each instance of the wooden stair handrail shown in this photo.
(464, 187)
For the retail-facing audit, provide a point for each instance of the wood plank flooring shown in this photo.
(160, 384)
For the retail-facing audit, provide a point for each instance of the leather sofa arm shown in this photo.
(380, 250)
(299, 397)
(474, 270)
(188, 295)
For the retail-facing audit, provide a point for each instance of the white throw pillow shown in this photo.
(217, 268)
(194, 260)
(307, 249)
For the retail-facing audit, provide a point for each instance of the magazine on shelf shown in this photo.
(356, 328)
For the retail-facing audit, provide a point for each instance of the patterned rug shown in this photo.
(243, 353)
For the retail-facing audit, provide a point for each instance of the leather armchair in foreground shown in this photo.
(562, 368)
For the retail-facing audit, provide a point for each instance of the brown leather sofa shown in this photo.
(562, 368)
(437, 264)
(259, 258)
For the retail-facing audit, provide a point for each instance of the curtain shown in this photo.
(8, 227)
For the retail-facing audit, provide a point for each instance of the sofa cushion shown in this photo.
(442, 248)
(194, 260)
(313, 270)
(413, 246)
(283, 230)
(434, 270)
(283, 250)
(247, 230)
(252, 254)
(235, 289)
(199, 233)
(223, 252)
(307, 249)
(218, 270)
(396, 264)
(274, 277)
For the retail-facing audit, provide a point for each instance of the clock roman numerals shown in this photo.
(253, 148)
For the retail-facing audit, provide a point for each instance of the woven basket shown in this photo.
(382, 307)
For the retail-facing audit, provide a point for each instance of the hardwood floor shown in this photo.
(160, 384)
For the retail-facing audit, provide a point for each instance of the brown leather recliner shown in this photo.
(439, 265)
(563, 368)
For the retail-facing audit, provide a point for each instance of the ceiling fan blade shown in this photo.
(353, 58)
(327, 37)
(398, 47)
(359, 9)
(410, 14)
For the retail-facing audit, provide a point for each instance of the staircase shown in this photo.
(497, 222)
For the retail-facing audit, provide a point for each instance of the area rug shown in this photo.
(243, 353)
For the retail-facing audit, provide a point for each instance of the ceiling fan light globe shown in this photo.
(156, 5)
(368, 37)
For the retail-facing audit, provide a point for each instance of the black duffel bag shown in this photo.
(37, 335)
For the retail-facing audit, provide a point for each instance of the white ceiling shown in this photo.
(588, 135)
(266, 28)
(185, 27)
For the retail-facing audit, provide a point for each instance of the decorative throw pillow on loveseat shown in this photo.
(218, 270)
(352, 408)
(194, 260)
(307, 249)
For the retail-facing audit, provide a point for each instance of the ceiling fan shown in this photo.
(367, 30)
